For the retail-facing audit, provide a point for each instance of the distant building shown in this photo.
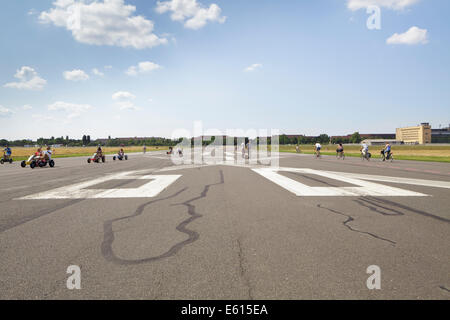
(440, 135)
(420, 134)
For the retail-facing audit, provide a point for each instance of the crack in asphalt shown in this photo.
(401, 206)
(372, 206)
(444, 288)
(108, 239)
(243, 271)
(350, 219)
(108, 235)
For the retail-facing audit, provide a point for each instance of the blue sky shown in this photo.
(305, 66)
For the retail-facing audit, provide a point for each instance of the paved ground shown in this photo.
(227, 231)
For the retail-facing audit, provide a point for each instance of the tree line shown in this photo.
(156, 141)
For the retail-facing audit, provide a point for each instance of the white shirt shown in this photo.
(318, 145)
(365, 147)
(48, 153)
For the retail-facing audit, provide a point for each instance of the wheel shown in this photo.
(23, 164)
(33, 164)
(1, 161)
(114, 158)
(103, 159)
(89, 160)
(10, 160)
(126, 157)
(51, 163)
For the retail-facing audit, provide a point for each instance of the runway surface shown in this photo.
(146, 229)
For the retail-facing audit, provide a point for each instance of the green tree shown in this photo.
(356, 138)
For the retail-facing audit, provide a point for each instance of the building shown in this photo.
(440, 135)
(420, 134)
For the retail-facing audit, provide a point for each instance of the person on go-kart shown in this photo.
(7, 152)
(38, 155)
(386, 152)
(99, 153)
(121, 153)
(48, 154)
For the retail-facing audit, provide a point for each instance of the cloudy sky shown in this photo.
(146, 68)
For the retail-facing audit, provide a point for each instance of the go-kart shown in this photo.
(97, 158)
(6, 158)
(120, 157)
(34, 161)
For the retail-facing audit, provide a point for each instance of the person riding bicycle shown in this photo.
(317, 148)
(340, 149)
(364, 150)
(121, 153)
(7, 151)
(386, 152)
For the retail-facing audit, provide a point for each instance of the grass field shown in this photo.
(24, 153)
(439, 153)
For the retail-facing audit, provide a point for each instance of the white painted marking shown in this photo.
(363, 188)
(79, 191)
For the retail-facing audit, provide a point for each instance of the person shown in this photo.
(297, 149)
(243, 149)
(365, 150)
(99, 153)
(121, 153)
(317, 148)
(38, 154)
(48, 154)
(145, 148)
(340, 149)
(7, 151)
(386, 152)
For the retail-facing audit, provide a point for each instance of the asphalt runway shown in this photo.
(146, 229)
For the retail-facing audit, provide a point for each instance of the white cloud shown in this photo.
(142, 67)
(253, 67)
(127, 105)
(124, 102)
(73, 110)
(389, 4)
(27, 107)
(103, 22)
(123, 95)
(75, 75)
(29, 80)
(414, 35)
(97, 72)
(5, 112)
(191, 13)
(108, 67)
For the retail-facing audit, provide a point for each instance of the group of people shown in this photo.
(385, 152)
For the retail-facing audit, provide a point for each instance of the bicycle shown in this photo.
(388, 157)
(340, 155)
(366, 156)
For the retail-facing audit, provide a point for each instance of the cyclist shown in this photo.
(340, 150)
(365, 151)
(317, 148)
(386, 152)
